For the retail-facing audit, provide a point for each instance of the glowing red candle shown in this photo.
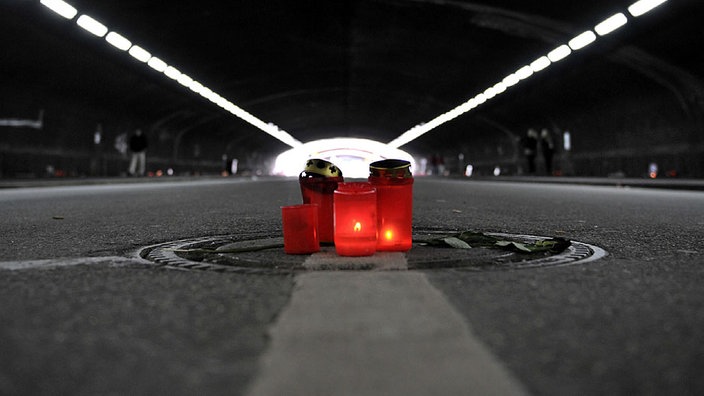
(394, 187)
(355, 219)
(300, 229)
(318, 183)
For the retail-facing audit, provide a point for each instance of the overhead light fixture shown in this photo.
(118, 41)
(524, 72)
(172, 73)
(157, 64)
(195, 86)
(559, 53)
(184, 80)
(140, 53)
(643, 6)
(469, 105)
(500, 87)
(605, 27)
(60, 7)
(582, 40)
(540, 64)
(510, 80)
(92, 25)
(490, 92)
(610, 24)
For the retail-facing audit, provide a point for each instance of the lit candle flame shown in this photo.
(357, 227)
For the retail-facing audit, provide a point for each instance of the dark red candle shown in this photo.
(318, 182)
(355, 219)
(300, 224)
(394, 188)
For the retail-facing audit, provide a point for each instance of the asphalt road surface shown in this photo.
(82, 314)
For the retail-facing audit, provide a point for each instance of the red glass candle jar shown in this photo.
(394, 189)
(355, 219)
(318, 183)
(300, 229)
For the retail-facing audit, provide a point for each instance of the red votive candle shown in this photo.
(394, 190)
(318, 183)
(300, 229)
(355, 219)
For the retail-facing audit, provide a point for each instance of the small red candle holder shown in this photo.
(300, 224)
(355, 219)
(318, 183)
(394, 188)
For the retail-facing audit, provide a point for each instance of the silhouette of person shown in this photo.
(138, 146)
(530, 148)
(547, 146)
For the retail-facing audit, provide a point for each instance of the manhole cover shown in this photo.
(258, 253)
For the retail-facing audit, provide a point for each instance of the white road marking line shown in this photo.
(376, 333)
(62, 262)
(328, 260)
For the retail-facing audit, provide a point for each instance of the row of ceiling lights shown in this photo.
(122, 43)
(578, 42)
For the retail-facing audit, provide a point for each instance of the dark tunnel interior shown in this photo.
(369, 69)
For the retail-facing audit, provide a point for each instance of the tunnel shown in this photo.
(351, 197)
(627, 104)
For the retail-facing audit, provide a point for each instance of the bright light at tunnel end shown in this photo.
(351, 155)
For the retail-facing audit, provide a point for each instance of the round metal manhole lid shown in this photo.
(259, 253)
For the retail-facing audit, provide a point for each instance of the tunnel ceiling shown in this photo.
(318, 69)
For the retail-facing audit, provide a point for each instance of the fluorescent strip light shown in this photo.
(610, 24)
(157, 64)
(412, 134)
(92, 25)
(208, 94)
(582, 40)
(62, 8)
(500, 87)
(490, 92)
(172, 73)
(559, 53)
(222, 102)
(540, 64)
(184, 80)
(524, 72)
(510, 80)
(605, 27)
(641, 7)
(468, 105)
(195, 86)
(140, 53)
(118, 41)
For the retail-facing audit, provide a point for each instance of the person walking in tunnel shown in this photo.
(138, 146)
(547, 146)
(530, 148)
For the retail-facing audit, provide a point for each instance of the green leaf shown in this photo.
(456, 243)
(477, 239)
(510, 245)
(471, 239)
